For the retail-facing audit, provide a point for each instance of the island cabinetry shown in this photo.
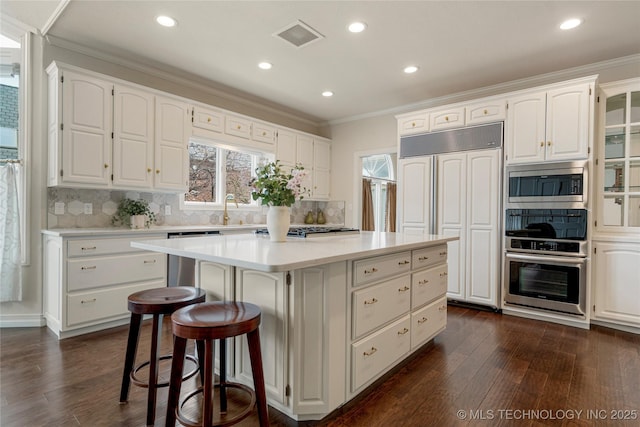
(87, 281)
(398, 303)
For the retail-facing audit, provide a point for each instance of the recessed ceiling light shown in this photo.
(357, 27)
(265, 65)
(410, 69)
(166, 21)
(570, 23)
(327, 93)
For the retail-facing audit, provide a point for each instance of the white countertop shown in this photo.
(259, 253)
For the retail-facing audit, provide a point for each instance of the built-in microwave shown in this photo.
(555, 185)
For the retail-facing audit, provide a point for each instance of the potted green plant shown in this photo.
(134, 213)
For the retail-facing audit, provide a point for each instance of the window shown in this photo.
(380, 169)
(215, 171)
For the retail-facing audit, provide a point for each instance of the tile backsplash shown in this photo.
(82, 208)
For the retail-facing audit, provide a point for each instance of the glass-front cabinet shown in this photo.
(619, 192)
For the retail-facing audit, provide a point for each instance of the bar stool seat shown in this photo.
(156, 302)
(206, 323)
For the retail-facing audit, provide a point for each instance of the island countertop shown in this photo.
(259, 253)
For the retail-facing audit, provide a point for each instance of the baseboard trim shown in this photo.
(22, 321)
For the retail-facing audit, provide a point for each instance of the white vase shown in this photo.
(138, 221)
(278, 222)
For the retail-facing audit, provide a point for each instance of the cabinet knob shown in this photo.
(446, 118)
(106, 166)
(148, 169)
(485, 112)
(413, 124)
(549, 143)
(157, 170)
(238, 127)
(264, 133)
(208, 119)
(542, 144)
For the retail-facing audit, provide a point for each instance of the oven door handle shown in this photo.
(547, 258)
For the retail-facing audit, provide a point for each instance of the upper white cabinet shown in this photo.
(171, 151)
(106, 134)
(207, 119)
(550, 125)
(321, 169)
(237, 126)
(413, 123)
(485, 111)
(261, 132)
(445, 119)
(79, 126)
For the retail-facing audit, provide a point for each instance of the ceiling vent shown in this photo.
(299, 34)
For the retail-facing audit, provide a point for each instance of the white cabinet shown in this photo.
(206, 120)
(550, 125)
(133, 138)
(414, 194)
(171, 151)
(321, 170)
(216, 280)
(237, 126)
(468, 203)
(486, 111)
(446, 119)
(413, 123)
(261, 132)
(80, 123)
(87, 281)
(616, 287)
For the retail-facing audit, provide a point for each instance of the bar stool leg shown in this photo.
(255, 354)
(207, 410)
(223, 375)
(130, 355)
(175, 382)
(153, 368)
(201, 356)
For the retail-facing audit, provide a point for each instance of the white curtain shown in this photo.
(10, 265)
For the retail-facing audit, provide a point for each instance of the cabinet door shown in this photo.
(216, 280)
(86, 133)
(172, 136)
(286, 148)
(321, 184)
(237, 126)
(615, 285)
(416, 123)
(414, 195)
(526, 128)
(207, 119)
(321, 155)
(568, 123)
(269, 292)
(133, 138)
(486, 111)
(304, 151)
(263, 133)
(483, 204)
(451, 196)
(447, 119)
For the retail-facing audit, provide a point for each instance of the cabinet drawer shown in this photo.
(208, 119)
(427, 285)
(413, 124)
(486, 112)
(372, 355)
(92, 247)
(428, 321)
(83, 307)
(263, 133)
(429, 256)
(238, 127)
(447, 119)
(372, 269)
(87, 273)
(378, 304)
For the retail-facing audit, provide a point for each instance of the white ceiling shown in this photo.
(458, 45)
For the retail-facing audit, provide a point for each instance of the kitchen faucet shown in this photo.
(225, 217)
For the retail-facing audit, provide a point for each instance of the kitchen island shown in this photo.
(337, 312)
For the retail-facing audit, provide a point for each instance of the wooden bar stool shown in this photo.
(206, 323)
(157, 302)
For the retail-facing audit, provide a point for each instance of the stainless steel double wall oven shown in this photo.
(546, 222)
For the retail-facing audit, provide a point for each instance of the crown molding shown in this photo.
(498, 89)
(14, 28)
(54, 16)
(192, 81)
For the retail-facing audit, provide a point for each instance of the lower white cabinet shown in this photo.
(428, 321)
(616, 283)
(87, 281)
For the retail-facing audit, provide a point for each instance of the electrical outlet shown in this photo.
(167, 210)
(88, 208)
(59, 208)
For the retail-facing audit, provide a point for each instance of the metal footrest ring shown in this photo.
(145, 384)
(222, 423)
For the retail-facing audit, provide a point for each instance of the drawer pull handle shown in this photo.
(443, 253)
(403, 331)
(442, 307)
(87, 301)
(370, 352)
(423, 258)
(371, 301)
(423, 282)
(421, 321)
(92, 248)
(403, 289)
(444, 274)
(373, 270)
(93, 267)
(405, 262)
(149, 261)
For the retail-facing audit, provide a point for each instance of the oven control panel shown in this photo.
(545, 246)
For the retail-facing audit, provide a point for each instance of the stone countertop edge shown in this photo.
(259, 253)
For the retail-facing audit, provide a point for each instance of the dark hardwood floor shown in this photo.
(485, 369)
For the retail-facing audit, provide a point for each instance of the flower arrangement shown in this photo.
(276, 186)
(128, 208)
